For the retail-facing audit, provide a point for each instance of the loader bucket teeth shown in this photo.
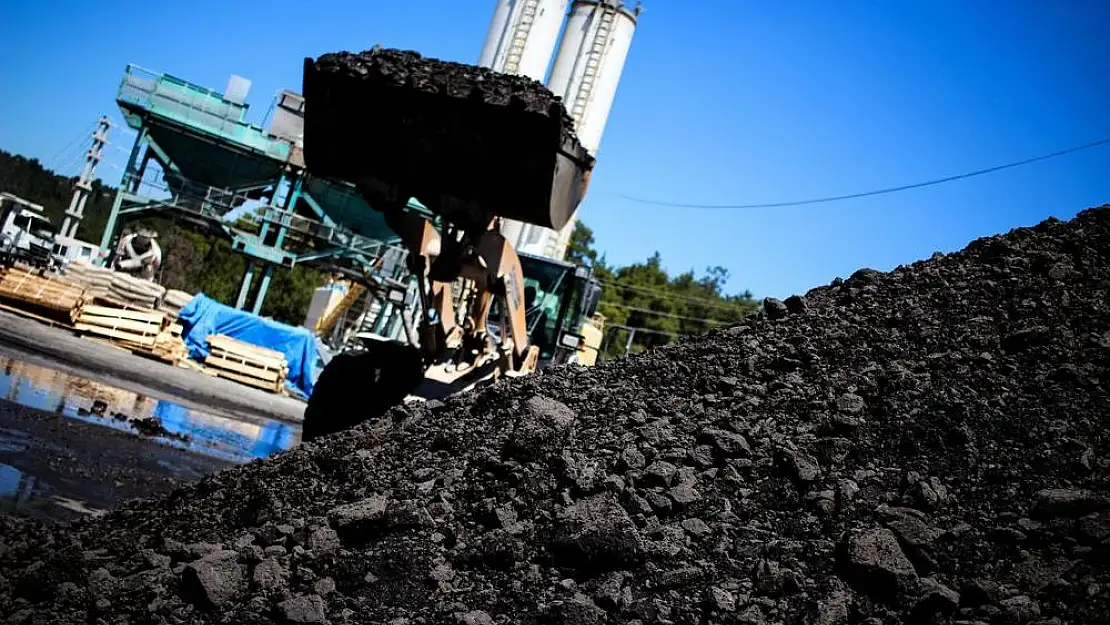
(361, 386)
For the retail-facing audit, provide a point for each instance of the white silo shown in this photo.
(522, 36)
(521, 40)
(590, 61)
(587, 70)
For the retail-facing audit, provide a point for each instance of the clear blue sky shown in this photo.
(722, 102)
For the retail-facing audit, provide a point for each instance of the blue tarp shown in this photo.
(203, 316)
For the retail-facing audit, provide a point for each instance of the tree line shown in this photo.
(644, 306)
(642, 295)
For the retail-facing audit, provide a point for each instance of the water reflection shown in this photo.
(94, 402)
(23, 494)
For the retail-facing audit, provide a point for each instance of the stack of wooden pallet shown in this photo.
(129, 327)
(169, 346)
(147, 333)
(26, 291)
(245, 363)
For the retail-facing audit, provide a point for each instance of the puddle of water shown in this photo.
(24, 494)
(165, 422)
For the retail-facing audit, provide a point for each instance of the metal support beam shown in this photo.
(244, 289)
(262, 288)
(266, 225)
(128, 182)
(290, 205)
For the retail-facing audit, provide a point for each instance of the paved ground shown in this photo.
(56, 467)
(37, 343)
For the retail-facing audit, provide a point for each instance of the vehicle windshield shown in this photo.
(41, 228)
(550, 282)
(36, 226)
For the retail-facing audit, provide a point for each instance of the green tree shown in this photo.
(580, 250)
(661, 307)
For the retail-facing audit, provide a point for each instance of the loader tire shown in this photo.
(362, 386)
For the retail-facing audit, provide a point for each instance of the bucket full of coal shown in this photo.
(459, 138)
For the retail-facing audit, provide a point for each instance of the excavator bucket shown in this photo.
(361, 386)
(467, 142)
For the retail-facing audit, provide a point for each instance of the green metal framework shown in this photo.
(221, 173)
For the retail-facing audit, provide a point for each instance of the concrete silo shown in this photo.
(522, 36)
(521, 40)
(586, 73)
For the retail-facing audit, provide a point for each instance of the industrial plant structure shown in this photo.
(197, 156)
(589, 60)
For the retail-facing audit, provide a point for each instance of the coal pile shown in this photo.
(921, 446)
(464, 140)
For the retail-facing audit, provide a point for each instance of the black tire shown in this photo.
(361, 386)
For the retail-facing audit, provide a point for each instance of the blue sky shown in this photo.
(721, 102)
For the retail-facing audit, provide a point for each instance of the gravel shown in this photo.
(921, 446)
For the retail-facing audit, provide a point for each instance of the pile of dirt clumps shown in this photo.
(409, 69)
(458, 137)
(921, 446)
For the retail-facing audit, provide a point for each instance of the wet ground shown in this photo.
(71, 446)
(58, 349)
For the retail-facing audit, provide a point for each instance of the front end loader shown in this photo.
(401, 127)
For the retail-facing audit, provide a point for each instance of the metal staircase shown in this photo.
(528, 12)
(598, 47)
(605, 14)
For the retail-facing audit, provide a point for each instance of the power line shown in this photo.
(641, 330)
(659, 313)
(851, 196)
(54, 162)
(664, 295)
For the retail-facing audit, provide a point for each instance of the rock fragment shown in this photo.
(597, 534)
(360, 520)
(876, 563)
(775, 308)
(1065, 502)
(214, 581)
(303, 609)
(542, 430)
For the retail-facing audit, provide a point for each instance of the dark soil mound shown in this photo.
(926, 445)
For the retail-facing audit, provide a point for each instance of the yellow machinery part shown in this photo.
(593, 330)
(329, 319)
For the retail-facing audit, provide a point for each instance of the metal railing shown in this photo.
(196, 106)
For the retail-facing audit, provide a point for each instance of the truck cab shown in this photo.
(26, 233)
(560, 297)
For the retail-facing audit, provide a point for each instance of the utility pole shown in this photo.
(83, 188)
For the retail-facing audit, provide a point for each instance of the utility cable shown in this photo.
(851, 196)
(664, 295)
(53, 161)
(641, 330)
(660, 313)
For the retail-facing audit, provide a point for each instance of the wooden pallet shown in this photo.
(169, 346)
(27, 290)
(128, 326)
(144, 333)
(246, 363)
